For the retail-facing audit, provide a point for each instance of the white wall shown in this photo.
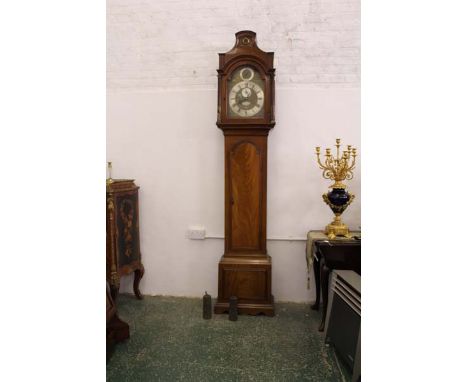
(162, 60)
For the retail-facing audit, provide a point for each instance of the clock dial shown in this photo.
(246, 94)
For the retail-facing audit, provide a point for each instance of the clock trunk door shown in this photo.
(245, 196)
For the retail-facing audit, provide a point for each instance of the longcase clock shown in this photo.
(245, 115)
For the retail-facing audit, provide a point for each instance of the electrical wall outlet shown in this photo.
(196, 233)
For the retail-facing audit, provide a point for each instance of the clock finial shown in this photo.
(246, 39)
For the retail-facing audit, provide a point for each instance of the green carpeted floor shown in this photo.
(169, 341)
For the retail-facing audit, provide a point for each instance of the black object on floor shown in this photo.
(233, 308)
(206, 306)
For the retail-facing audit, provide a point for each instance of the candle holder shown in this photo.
(109, 173)
(338, 199)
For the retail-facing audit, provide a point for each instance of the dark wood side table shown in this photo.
(339, 258)
(122, 234)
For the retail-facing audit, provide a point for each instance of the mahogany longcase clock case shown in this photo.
(246, 94)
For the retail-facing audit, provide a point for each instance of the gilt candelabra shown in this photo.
(338, 169)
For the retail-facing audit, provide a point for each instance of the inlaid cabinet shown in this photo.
(123, 254)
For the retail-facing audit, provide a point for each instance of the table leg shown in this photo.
(136, 282)
(317, 284)
(114, 289)
(324, 273)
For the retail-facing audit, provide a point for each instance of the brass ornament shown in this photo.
(337, 168)
(337, 227)
(115, 279)
(110, 205)
(109, 179)
(339, 209)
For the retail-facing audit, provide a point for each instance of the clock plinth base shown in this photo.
(250, 309)
(248, 277)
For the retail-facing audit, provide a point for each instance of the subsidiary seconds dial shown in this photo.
(246, 98)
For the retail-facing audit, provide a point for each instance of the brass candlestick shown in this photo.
(338, 169)
(109, 173)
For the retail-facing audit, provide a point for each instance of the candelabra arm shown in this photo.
(348, 171)
(331, 165)
(320, 162)
(328, 173)
(350, 168)
(346, 167)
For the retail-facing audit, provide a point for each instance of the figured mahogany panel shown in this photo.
(245, 198)
(246, 284)
(245, 169)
